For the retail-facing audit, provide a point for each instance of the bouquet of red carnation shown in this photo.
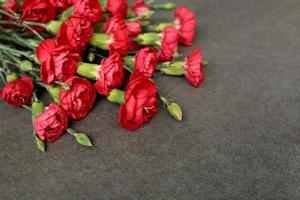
(78, 49)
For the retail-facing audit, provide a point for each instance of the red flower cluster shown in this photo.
(140, 102)
(18, 92)
(76, 41)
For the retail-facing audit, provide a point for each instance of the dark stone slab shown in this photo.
(239, 138)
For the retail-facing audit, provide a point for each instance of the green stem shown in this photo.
(26, 107)
(6, 48)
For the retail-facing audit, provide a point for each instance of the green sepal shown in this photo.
(26, 65)
(54, 92)
(37, 108)
(91, 57)
(54, 26)
(164, 6)
(66, 14)
(129, 61)
(11, 77)
(116, 96)
(40, 144)
(87, 70)
(100, 40)
(173, 69)
(148, 39)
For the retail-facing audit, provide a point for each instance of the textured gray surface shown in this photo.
(239, 138)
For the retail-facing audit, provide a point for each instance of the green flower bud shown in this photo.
(26, 65)
(83, 139)
(11, 77)
(175, 111)
(116, 96)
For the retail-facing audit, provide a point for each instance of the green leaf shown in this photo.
(40, 144)
(83, 139)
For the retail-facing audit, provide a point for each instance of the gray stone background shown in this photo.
(239, 138)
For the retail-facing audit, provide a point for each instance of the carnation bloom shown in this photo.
(79, 99)
(145, 61)
(40, 11)
(18, 92)
(140, 102)
(91, 9)
(169, 43)
(186, 23)
(139, 8)
(51, 124)
(75, 32)
(193, 68)
(134, 28)
(110, 74)
(58, 62)
(117, 7)
(61, 5)
(113, 24)
(119, 42)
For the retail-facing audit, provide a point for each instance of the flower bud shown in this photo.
(81, 138)
(26, 65)
(116, 96)
(11, 77)
(175, 111)
(37, 108)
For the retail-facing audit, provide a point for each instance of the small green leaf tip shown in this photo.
(40, 144)
(83, 139)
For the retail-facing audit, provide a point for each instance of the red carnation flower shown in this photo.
(140, 102)
(119, 42)
(40, 11)
(76, 32)
(169, 44)
(145, 61)
(194, 69)
(134, 28)
(139, 7)
(117, 7)
(18, 92)
(113, 24)
(79, 100)
(91, 9)
(61, 5)
(186, 21)
(50, 124)
(110, 75)
(58, 62)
